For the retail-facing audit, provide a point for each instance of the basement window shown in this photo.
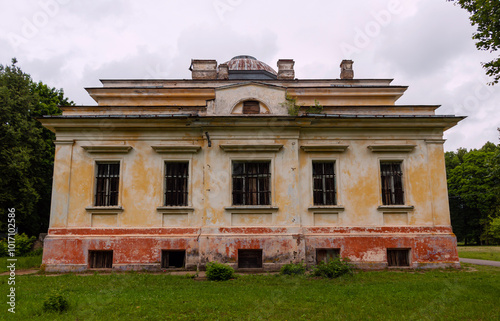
(173, 259)
(107, 182)
(249, 259)
(392, 183)
(251, 107)
(100, 259)
(325, 255)
(324, 183)
(398, 257)
(176, 183)
(251, 183)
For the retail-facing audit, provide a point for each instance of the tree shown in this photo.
(26, 148)
(473, 187)
(485, 14)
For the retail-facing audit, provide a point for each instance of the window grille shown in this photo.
(324, 183)
(107, 181)
(248, 259)
(251, 183)
(398, 257)
(100, 259)
(326, 255)
(176, 183)
(392, 183)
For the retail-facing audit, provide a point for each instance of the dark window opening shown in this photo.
(392, 183)
(324, 183)
(251, 107)
(248, 259)
(176, 183)
(173, 258)
(325, 255)
(100, 259)
(107, 181)
(251, 183)
(398, 257)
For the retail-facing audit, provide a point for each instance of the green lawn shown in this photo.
(468, 294)
(28, 262)
(480, 252)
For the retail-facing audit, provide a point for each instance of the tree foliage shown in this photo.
(26, 148)
(474, 193)
(485, 15)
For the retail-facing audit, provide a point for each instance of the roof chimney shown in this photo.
(203, 69)
(346, 71)
(223, 72)
(285, 69)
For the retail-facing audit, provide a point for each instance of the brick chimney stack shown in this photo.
(285, 69)
(346, 71)
(203, 69)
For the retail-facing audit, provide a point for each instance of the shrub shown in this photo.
(24, 243)
(333, 269)
(293, 269)
(55, 302)
(219, 272)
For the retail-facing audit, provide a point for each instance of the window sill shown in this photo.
(252, 208)
(104, 209)
(326, 207)
(395, 208)
(174, 209)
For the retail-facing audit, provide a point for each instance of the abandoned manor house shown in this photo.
(252, 167)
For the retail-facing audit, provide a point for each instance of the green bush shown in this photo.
(55, 302)
(293, 269)
(219, 272)
(333, 269)
(24, 243)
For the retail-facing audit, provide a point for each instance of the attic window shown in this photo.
(251, 107)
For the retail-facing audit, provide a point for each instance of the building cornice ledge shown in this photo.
(392, 148)
(176, 149)
(252, 148)
(107, 148)
(333, 148)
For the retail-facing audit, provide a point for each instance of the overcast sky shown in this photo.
(423, 44)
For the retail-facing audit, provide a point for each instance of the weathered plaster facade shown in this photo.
(144, 124)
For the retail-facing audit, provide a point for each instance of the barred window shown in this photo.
(107, 181)
(251, 183)
(176, 183)
(392, 183)
(398, 257)
(324, 183)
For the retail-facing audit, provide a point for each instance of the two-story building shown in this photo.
(251, 167)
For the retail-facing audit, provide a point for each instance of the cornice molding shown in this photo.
(403, 148)
(107, 148)
(176, 149)
(251, 148)
(334, 148)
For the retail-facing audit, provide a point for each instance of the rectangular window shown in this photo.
(251, 183)
(249, 259)
(251, 107)
(173, 258)
(176, 183)
(325, 255)
(107, 181)
(324, 183)
(100, 259)
(392, 183)
(398, 257)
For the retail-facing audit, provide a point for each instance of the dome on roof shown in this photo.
(248, 63)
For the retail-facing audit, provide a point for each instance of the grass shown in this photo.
(468, 294)
(491, 253)
(28, 262)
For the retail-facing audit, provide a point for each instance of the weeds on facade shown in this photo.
(333, 269)
(219, 272)
(316, 109)
(291, 105)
